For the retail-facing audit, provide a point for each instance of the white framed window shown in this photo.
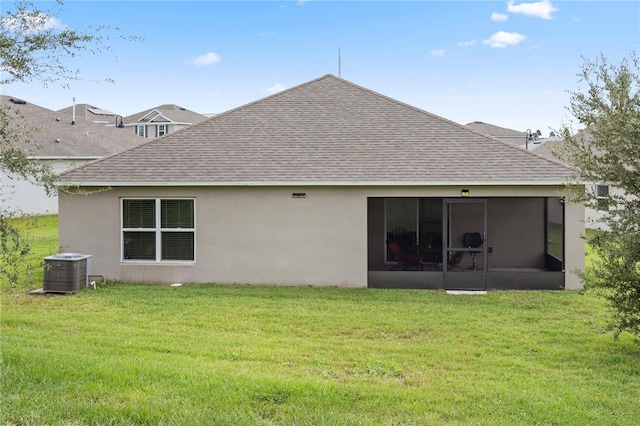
(161, 130)
(141, 130)
(602, 191)
(158, 229)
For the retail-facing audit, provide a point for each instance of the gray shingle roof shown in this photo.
(327, 130)
(85, 139)
(510, 136)
(90, 112)
(552, 145)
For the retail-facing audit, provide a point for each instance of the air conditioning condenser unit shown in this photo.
(66, 272)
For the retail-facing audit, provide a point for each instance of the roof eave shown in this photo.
(257, 183)
(64, 158)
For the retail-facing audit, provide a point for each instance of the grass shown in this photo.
(128, 354)
(41, 234)
(132, 354)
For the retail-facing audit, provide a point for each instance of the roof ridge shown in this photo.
(274, 95)
(461, 126)
(415, 108)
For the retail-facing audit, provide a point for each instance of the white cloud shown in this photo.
(206, 59)
(542, 9)
(499, 17)
(31, 22)
(504, 39)
(467, 43)
(275, 88)
(439, 53)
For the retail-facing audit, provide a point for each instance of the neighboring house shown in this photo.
(593, 217)
(522, 139)
(90, 113)
(548, 148)
(59, 143)
(160, 121)
(319, 185)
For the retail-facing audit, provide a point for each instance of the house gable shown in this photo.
(153, 117)
(166, 113)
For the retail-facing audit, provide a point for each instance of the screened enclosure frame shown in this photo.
(523, 242)
(476, 278)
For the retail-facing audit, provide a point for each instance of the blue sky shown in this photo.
(507, 63)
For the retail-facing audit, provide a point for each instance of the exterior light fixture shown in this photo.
(464, 193)
(299, 195)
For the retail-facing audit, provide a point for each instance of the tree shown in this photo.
(607, 151)
(33, 49)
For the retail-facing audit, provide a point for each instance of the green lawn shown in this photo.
(129, 354)
(41, 234)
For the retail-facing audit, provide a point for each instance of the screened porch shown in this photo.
(466, 243)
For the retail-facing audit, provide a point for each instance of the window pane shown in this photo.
(138, 213)
(177, 246)
(602, 191)
(139, 245)
(177, 214)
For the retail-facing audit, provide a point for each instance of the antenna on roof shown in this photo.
(339, 63)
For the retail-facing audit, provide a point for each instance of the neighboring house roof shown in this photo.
(90, 112)
(549, 146)
(510, 136)
(326, 131)
(168, 113)
(53, 136)
(554, 144)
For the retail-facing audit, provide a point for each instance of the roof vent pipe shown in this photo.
(73, 112)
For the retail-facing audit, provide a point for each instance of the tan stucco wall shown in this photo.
(261, 235)
(243, 235)
(574, 245)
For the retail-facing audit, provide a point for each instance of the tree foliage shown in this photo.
(34, 48)
(607, 151)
